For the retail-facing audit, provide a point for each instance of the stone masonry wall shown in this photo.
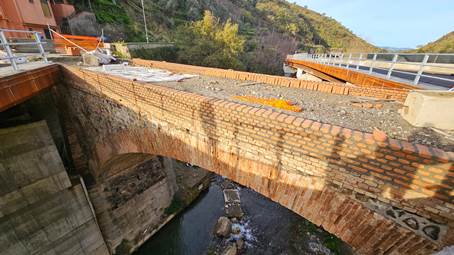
(130, 205)
(327, 174)
(325, 87)
(135, 188)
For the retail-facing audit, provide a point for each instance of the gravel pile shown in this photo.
(358, 113)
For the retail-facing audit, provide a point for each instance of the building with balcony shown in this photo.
(36, 15)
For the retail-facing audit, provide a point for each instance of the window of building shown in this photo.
(46, 9)
(47, 33)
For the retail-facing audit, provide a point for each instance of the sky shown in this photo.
(390, 23)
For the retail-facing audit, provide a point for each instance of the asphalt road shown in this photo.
(411, 77)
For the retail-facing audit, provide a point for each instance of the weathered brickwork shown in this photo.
(325, 173)
(325, 87)
(130, 204)
(352, 76)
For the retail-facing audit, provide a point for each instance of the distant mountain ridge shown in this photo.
(443, 45)
(255, 17)
(395, 49)
(272, 28)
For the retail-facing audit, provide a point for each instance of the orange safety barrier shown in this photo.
(86, 42)
(274, 102)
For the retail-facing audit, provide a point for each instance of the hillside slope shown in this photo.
(443, 45)
(272, 28)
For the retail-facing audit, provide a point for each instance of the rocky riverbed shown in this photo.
(264, 227)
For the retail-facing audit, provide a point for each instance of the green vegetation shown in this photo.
(313, 30)
(175, 206)
(252, 35)
(167, 53)
(123, 248)
(303, 231)
(209, 42)
(443, 45)
(333, 243)
(106, 11)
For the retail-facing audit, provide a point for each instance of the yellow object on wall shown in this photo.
(273, 102)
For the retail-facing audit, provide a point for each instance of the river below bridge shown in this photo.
(267, 227)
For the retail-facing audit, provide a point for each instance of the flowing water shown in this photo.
(267, 227)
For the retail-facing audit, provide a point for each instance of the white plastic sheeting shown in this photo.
(140, 73)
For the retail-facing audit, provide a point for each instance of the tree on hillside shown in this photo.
(208, 42)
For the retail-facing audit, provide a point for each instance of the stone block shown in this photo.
(90, 60)
(231, 196)
(429, 109)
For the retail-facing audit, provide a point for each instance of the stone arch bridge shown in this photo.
(380, 195)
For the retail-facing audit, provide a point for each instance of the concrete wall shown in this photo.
(333, 176)
(41, 210)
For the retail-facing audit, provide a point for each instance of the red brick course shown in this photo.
(310, 167)
(327, 87)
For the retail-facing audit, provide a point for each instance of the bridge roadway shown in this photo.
(381, 195)
(427, 82)
(377, 78)
(16, 87)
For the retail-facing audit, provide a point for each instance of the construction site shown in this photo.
(105, 153)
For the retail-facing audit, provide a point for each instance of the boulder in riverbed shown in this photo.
(233, 210)
(230, 250)
(240, 244)
(223, 227)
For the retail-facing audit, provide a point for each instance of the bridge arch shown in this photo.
(227, 138)
(363, 229)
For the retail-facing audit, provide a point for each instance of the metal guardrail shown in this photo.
(9, 52)
(415, 65)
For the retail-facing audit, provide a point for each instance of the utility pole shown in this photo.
(145, 22)
(89, 5)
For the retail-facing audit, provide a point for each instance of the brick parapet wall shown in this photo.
(412, 176)
(320, 157)
(326, 87)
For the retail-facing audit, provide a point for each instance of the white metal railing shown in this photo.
(9, 52)
(408, 66)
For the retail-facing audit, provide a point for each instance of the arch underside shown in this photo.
(312, 197)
